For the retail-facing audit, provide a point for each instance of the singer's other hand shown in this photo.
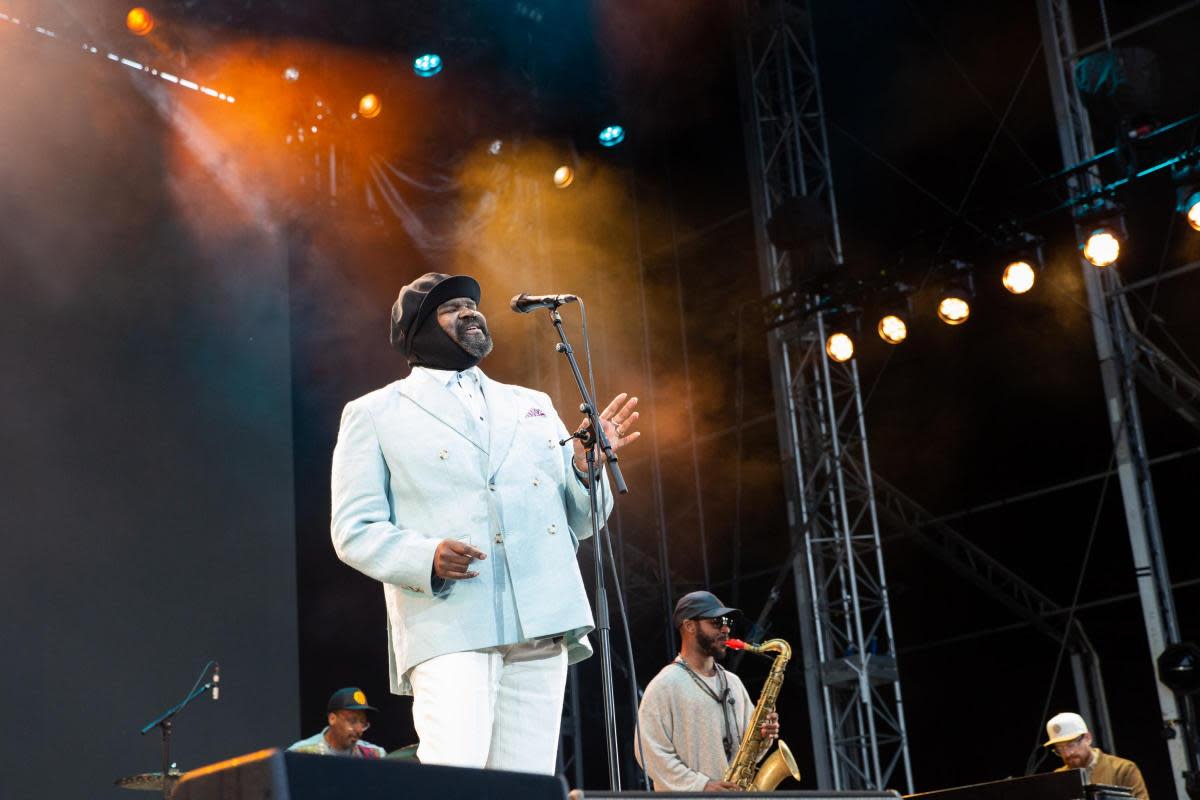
(452, 560)
(618, 420)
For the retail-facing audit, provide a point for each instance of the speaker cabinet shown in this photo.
(279, 775)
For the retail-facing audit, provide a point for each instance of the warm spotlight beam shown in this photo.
(127, 62)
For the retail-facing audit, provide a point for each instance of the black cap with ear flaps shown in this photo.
(419, 300)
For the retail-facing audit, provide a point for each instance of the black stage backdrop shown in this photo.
(147, 509)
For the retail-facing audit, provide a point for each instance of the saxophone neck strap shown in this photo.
(722, 681)
(722, 699)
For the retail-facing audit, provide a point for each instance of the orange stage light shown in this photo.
(369, 106)
(139, 21)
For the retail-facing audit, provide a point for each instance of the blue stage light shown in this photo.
(612, 136)
(427, 65)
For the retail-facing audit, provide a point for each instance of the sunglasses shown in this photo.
(720, 622)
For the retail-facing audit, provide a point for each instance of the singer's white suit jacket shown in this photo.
(410, 469)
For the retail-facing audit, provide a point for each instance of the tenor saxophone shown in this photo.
(744, 769)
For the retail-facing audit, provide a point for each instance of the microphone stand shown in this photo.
(163, 721)
(591, 437)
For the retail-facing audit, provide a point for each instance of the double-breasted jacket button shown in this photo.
(443, 454)
(499, 537)
(536, 482)
(550, 443)
(553, 528)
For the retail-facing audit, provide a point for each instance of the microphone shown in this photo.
(524, 303)
(216, 680)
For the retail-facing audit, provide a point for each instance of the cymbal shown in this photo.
(148, 781)
(407, 753)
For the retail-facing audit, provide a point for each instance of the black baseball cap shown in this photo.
(701, 605)
(351, 697)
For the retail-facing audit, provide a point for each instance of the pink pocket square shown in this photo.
(534, 412)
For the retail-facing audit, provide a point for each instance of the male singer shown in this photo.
(452, 490)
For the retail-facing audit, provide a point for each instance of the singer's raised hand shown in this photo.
(618, 419)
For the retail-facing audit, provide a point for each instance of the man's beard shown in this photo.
(476, 347)
(710, 645)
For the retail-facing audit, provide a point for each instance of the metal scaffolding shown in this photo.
(851, 678)
(1123, 354)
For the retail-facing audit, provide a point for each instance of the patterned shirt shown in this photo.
(319, 745)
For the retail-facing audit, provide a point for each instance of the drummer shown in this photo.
(346, 713)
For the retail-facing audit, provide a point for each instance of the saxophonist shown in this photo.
(694, 713)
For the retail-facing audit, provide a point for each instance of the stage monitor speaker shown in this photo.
(278, 775)
(577, 794)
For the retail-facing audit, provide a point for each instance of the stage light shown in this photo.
(1022, 257)
(495, 147)
(1179, 667)
(958, 289)
(428, 65)
(291, 74)
(564, 176)
(611, 136)
(139, 21)
(369, 106)
(893, 308)
(893, 329)
(1186, 175)
(1100, 230)
(1189, 206)
(839, 347)
(1019, 277)
(953, 310)
(1102, 247)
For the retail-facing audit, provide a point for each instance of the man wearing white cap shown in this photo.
(1068, 735)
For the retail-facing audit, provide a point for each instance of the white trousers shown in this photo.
(498, 708)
